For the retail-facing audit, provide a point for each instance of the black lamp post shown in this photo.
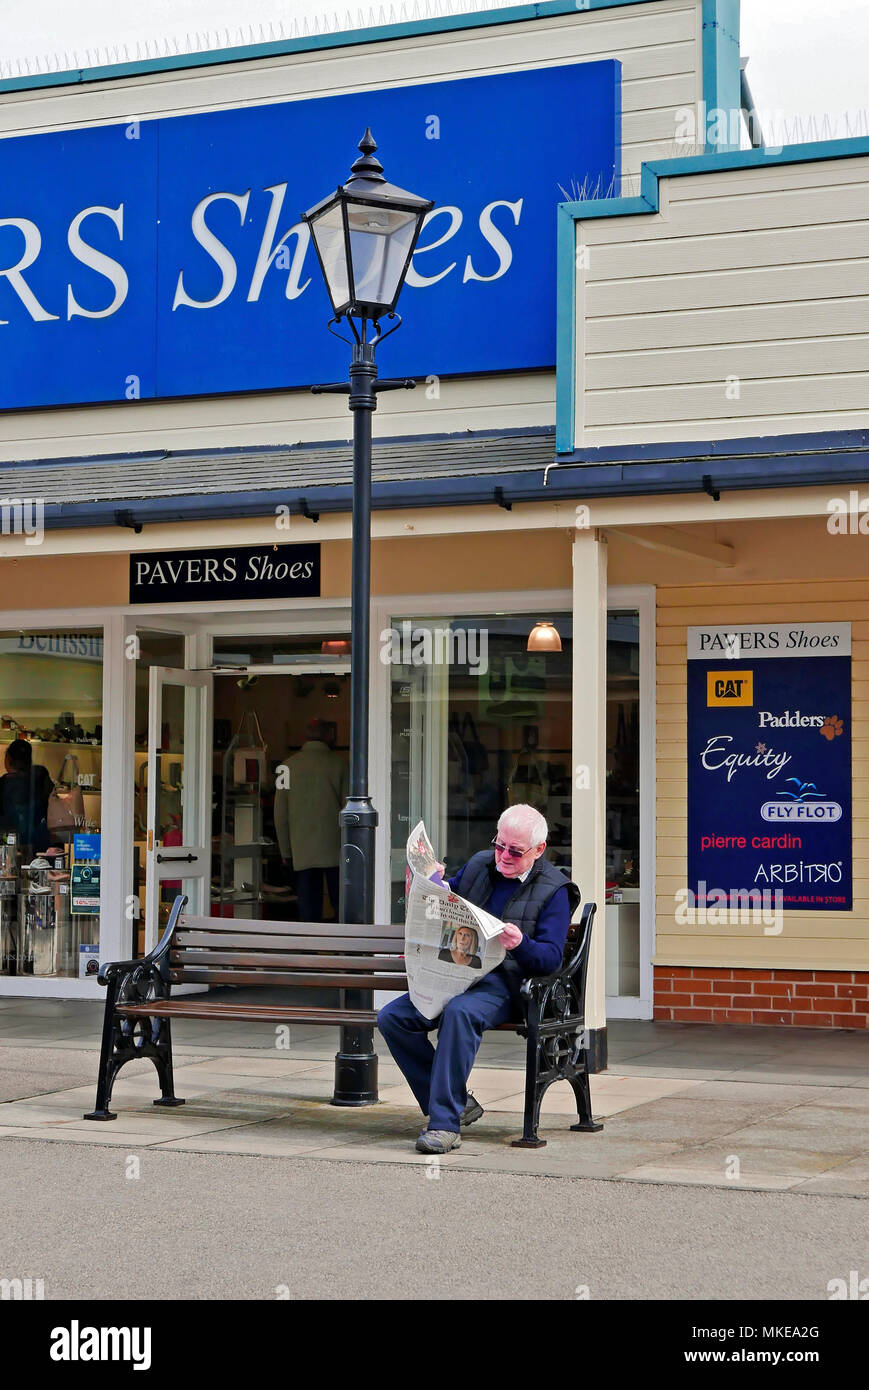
(364, 235)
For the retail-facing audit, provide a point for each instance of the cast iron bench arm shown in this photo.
(568, 968)
(111, 969)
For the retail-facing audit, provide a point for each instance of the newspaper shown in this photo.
(449, 943)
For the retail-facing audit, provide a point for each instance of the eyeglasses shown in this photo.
(508, 849)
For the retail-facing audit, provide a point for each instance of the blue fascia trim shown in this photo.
(721, 65)
(831, 459)
(649, 200)
(565, 330)
(815, 444)
(512, 14)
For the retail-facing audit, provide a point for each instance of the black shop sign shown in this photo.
(196, 576)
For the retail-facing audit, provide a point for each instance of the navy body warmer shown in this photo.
(524, 906)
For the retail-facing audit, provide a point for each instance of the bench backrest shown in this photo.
(242, 951)
(233, 951)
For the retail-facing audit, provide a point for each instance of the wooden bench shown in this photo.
(224, 951)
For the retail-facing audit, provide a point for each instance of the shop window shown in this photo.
(51, 714)
(479, 723)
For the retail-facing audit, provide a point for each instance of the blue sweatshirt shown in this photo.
(543, 953)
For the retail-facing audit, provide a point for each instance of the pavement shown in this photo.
(762, 1109)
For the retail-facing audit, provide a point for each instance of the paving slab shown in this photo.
(664, 1070)
(248, 1066)
(773, 1094)
(843, 1098)
(697, 1177)
(651, 1087)
(693, 1122)
(781, 1133)
(755, 1161)
(850, 1179)
(807, 1074)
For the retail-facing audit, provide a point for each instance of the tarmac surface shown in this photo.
(194, 1226)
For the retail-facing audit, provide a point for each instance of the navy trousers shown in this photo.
(438, 1076)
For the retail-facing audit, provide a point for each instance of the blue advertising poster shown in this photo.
(769, 764)
(162, 258)
(86, 847)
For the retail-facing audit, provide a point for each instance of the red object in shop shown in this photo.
(173, 838)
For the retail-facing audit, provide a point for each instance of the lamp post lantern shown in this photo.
(364, 235)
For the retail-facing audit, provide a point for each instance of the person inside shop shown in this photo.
(306, 818)
(514, 882)
(24, 793)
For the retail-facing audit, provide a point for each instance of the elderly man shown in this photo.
(513, 881)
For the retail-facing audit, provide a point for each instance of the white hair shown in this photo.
(525, 821)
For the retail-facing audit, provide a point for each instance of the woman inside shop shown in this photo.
(24, 793)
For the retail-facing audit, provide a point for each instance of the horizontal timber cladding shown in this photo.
(809, 941)
(660, 49)
(740, 309)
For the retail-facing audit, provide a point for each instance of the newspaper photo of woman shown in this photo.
(462, 948)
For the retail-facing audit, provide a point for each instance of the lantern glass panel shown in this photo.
(380, 241)
(328, 232)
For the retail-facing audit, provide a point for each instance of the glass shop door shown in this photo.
(178, 823)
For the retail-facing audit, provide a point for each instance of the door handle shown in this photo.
(177, 858)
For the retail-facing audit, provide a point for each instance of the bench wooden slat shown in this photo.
(392, 931)
(322, 980)
(248, 941)
(264, 1013)
(261, 1013)
(268, 960)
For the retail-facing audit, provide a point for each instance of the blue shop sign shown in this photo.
(166, 258)
(769, 765)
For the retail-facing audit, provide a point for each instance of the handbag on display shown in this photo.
(528, 782)
(66, 803)
(249, 759)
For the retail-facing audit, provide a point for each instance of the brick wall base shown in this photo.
(802, 998)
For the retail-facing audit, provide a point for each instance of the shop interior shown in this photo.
(51, 687)
(497, 728)
(470, 738)
(262, 716)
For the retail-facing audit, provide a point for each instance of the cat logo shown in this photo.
(729, 688)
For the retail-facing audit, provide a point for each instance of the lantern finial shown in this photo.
(367, 166)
